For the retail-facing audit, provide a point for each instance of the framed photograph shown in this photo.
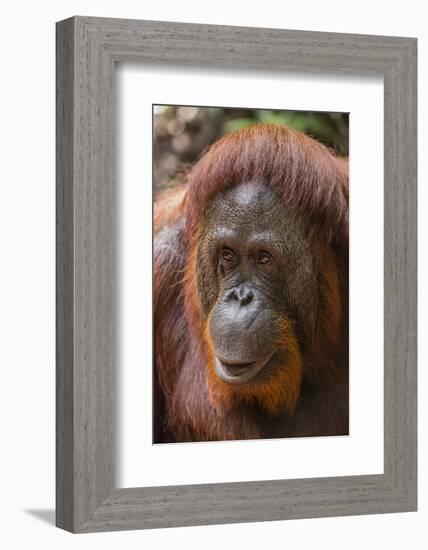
(236, 274)
(262, 280)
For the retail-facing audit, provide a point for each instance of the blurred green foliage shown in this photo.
(181, 133)
(329, 128)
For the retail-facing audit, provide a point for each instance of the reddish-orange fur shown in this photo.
(192, 403)
(274, 396)
(168, 207)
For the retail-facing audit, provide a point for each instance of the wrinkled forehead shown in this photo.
(247, 205)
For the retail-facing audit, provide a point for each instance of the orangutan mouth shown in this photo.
(238, 372)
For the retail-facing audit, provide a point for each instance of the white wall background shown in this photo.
(27, 272)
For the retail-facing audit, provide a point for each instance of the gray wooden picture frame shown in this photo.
(87, 51)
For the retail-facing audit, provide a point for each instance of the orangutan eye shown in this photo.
(228, 256)
(264, 258)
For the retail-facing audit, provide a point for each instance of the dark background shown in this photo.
(181, 133)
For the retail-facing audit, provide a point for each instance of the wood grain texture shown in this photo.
(87, 49)
(64, 278)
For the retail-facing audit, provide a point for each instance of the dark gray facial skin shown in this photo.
(255, 267)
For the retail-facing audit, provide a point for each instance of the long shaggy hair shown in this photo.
(312, 181)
